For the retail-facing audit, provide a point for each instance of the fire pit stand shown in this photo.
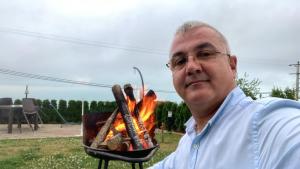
(91, 128)
(133, 157)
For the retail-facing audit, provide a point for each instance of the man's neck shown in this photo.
(202, 121)
(202, 116)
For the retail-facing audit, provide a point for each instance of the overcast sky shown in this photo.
(100, 41)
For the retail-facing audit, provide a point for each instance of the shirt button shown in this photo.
(195, 146)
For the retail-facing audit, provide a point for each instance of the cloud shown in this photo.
(102, 40)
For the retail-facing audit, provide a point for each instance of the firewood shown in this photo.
(129, 92)
(104, 130)
(126, 139)
(115, 142)
(125, 146)
(127, 118)
(103, 145)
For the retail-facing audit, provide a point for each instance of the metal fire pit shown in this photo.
(90, 130)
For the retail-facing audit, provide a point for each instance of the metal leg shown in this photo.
(141, 165)
(133, 165)
(106, 164)
(10, 120)
(106, 161)
(19, 125)
(100, 164)
(35, 120)
(28, 122)
(40, 119)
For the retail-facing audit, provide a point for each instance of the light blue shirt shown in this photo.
(243, 134)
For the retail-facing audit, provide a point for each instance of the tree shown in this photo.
(86, 107)
(100, 106)
(181, 116)
(93, 107)
(18, 101)
(49, 118)
(62, 109)
(287, 93)
(290, 93)
(72, 110)
(277, 92)
(250, 87)
(158, 113)
(53, 110)
(110, 106)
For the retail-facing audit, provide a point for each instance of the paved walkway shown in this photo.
(45, 131)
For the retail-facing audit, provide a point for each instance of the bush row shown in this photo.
(53, 111)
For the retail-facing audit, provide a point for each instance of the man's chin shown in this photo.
(197, 97)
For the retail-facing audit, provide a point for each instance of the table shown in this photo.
(10, 114)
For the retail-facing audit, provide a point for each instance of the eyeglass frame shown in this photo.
(213, 53)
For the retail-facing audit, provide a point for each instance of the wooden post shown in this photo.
(127, 118)
(162, 132)
(82, 112)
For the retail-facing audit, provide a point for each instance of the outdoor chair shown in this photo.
(31, 114)
(4, 112)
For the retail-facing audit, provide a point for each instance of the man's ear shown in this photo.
(233, 63)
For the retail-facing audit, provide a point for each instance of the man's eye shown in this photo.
(204, 54)
(179, 61)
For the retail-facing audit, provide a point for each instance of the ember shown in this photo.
(131, 126)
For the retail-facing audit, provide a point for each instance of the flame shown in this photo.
(146, 114)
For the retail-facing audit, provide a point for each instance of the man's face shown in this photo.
(206, 82)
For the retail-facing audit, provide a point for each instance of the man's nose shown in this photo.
(193, 66)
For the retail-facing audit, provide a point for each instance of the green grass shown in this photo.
(65, 153)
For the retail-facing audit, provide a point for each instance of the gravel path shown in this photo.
(45, 131)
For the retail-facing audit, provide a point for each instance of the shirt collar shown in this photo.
(231, 100)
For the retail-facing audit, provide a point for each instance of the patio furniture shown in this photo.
(31, 114)
(7, 113)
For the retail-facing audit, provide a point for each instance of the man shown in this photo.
(227, 130)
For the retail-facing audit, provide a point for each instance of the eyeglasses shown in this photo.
(178, 61)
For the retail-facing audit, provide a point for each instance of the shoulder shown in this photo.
(276, 132)
(278, 112)
(273, 103)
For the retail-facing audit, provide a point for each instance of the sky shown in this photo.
(100, 41)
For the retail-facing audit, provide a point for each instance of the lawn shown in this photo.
(66, 153)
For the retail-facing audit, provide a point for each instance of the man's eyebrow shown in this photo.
(205, 45)
(176, 54)
(201, 46)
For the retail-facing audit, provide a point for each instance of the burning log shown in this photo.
(129, 92)
(118, 143)
(104, 130)
(127, 118)
(115, 142)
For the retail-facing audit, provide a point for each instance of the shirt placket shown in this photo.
(194, 155)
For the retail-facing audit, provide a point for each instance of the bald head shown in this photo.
(187, 26)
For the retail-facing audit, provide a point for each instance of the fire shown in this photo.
(143, 111)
